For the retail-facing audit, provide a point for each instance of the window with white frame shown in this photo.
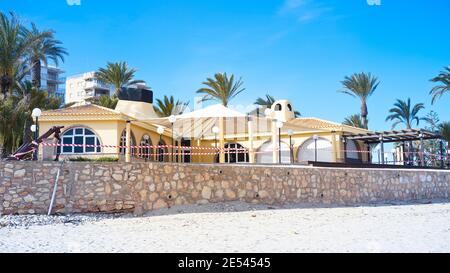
(123, 143)
(80, 136)
(235, 153)
(146, 151)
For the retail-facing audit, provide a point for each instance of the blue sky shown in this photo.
(294, 49)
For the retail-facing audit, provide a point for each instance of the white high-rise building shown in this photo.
(84, 86)
(51, 81)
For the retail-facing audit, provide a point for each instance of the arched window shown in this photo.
(161, 152)
(265, 153)
(123, 142)
(352, 150)
(146, 152)
(236, 153)
(81, 136)
(278, 107)
(185, 151)
(307, 151)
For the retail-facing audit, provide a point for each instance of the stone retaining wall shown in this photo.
(26, 187)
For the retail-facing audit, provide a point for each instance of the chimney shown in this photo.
(136, 102)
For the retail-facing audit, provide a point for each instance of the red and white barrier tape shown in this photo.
(189, 149)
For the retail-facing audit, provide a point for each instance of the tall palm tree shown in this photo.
(29, 97)
(13, 47)
(168, 106)
(360, 85)
(404, 112)
(354, 121)
(268, 101)
(444, 79)
(10, 126)
(444, 130)
(118, 75)
(47, 48)
(221, 88)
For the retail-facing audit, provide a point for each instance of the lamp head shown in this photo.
(160, 130)
(290, 132)
(315, 137)
(36, 113)
(268, 112)
(33, 128)
(279, 124)
(172, 119)
(215, 129)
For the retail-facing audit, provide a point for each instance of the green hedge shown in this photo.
(98, 159)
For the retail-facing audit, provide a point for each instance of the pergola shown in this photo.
(401, 136)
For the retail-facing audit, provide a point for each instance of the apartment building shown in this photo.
(84, 86)
(51, 81)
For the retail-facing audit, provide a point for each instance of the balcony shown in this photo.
(96, 85)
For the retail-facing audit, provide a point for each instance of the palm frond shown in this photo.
(168, 106)
(444, 79)
(221, 88)
(118, 75)
(403, 112)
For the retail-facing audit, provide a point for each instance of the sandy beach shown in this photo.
(238, 227)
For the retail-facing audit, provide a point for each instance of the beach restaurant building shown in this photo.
(133, 132)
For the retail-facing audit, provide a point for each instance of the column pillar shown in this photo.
(333, 143)
(221, 140)
(251, 153)
(128, 142)
(274, 142)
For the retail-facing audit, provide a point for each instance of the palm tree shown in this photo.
(354, 121)
(268, 101)
(444, 79)
(47, 48)
(28, 98)
(402, 112)
(118, 75)
(10, 126)
(361, 85)
(105, 101)
(168, 106)
(221, 88)
(444, 130)
(13, 47)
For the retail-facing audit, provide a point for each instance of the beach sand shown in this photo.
(238, 227)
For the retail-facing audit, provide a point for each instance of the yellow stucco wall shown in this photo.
(109, 133)
(297, 139)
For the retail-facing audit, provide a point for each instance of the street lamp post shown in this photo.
(35, 114)
(160, 131)
(421, 151)
(279, 125)
(215, 130)
(33, 129)
(147, 151)
(315, 138)
(382, 149)
(172, 120)
(291, 149)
